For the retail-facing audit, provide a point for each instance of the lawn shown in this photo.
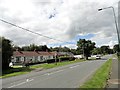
(18, 70)
(98, 80)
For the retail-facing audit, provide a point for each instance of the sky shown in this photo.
(64, 20)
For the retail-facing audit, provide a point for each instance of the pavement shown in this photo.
(68, 76)
(114, 81)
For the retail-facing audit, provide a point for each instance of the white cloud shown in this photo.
(70, 18)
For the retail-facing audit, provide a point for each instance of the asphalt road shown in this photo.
(69, 76)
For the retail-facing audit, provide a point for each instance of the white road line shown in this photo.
(27, 80)
(58, 71)
(54, 72)
(74, 66)
(16, 85)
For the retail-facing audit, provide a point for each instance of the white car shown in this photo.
(98, 57)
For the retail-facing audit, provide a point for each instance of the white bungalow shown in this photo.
(31, 56)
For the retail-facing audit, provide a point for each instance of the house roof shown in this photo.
(40, 53)
(32, 53)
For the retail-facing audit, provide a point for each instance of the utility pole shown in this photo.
(55, 58)
(116, 25)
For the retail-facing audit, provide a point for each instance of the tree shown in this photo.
(96, 51)
(86, 46)
(7, 52)
(25, 48)
(33, 47)
(116, 48)
(105, 50)
(79, 51)
(74, 51)
(45, 48)
(16, 48)
(60, 49)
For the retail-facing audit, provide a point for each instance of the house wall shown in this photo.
(17, 59)
(33, 58)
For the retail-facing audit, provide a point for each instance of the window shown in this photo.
(41, 57)
(17, 59)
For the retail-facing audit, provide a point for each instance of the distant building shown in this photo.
(36, 56)
(78, 56)
(31, 56)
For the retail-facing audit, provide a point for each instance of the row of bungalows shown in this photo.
(31, 56)
(35, 56)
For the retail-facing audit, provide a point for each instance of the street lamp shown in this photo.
(115, 24)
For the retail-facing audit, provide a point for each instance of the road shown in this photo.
(69, 76)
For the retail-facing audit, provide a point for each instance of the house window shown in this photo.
(17, 59)
(36, 58)
(50, 57)
(41, 57)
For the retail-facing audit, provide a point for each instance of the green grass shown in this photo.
(98, 80)
(17, 70)
(52, 65)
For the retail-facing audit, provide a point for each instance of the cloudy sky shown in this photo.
(64, 20)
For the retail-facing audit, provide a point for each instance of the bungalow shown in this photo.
(31, 56)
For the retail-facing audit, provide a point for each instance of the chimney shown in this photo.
(46, 50)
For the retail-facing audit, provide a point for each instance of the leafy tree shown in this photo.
(65, 49)
(60, 49)
(79, 51)
(45, 48)
(111, 51)
(105, 50)
(86, 46)
(74, 51)
(16, 48)
(33, 47)
(25, 48)
(96, 51)
(116, 48)
(7, 52)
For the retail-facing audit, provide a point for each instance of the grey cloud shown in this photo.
(83, 18)
(98, 21)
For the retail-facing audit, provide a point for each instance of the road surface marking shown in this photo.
(74, 66)
(27, 80)
(53, 72)
(16, 85)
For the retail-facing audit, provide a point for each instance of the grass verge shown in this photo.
(98, 80)
(52, 65)
(15, 71)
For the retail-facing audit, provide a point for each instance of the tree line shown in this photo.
(85, 47)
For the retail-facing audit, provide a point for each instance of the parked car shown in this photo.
(98, 56)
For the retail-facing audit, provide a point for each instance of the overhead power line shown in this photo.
(32, 31)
